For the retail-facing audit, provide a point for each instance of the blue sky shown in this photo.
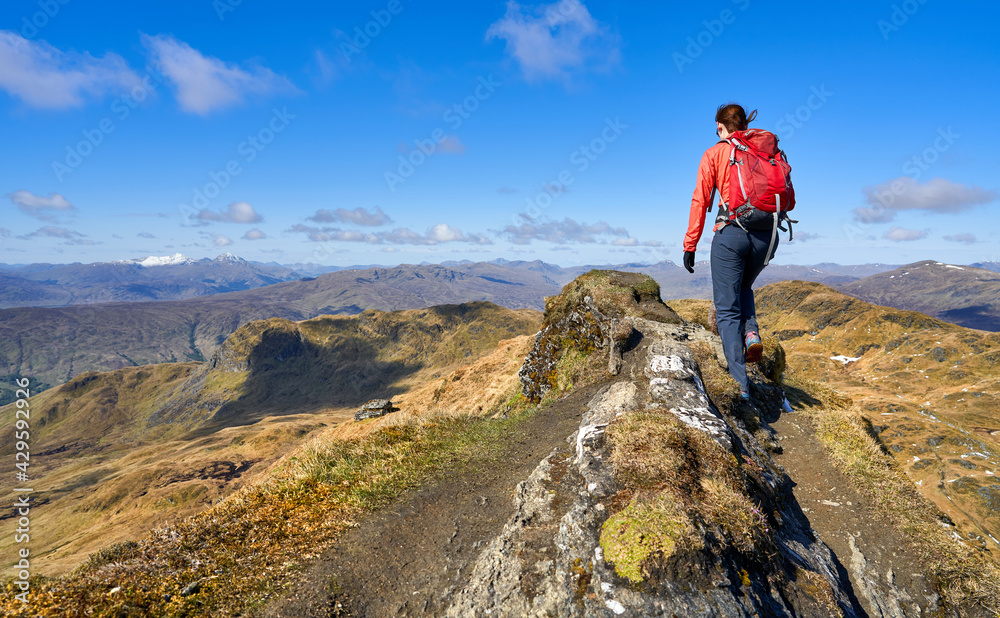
(401, 131)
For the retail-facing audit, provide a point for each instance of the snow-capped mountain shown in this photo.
(154, 260)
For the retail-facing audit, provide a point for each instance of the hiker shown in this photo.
(752, 178)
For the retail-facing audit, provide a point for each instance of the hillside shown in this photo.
(51, 345)
(930, 390)
(962, 295)
(658, 492)
(117, 452)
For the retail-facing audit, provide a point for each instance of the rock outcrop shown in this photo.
(374, 409)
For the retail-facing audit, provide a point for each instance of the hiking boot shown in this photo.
(754, 348)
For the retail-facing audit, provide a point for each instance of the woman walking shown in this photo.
(742, 245)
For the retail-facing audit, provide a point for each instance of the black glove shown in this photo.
(689, 261)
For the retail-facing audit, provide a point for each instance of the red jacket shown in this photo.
(713, 171)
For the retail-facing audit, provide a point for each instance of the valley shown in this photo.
(120, 452)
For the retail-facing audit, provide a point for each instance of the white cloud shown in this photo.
(45, 77)
(70, 236)
(205, 84)
(557, 41)
(4, 232)
(905, 193)
(254, 234)
(40, 207)
(237, 212)
(145, 235)
(969, 239)
(221, 241)
(440, 233)
(568, 231)
(358, 216)
(899, 234)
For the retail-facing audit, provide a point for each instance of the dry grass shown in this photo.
(248, 545)
(482, 387)
(963, 574)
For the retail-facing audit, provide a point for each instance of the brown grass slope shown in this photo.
(50, 346)
(116, 452)
(929, 389)
(962, 295)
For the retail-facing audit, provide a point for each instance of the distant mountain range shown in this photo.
(53, 344)
(962, 295)
(173, 277)
(177, 277)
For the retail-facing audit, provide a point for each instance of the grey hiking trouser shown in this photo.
(737, 258)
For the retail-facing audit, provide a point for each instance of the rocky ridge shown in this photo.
(572, 549)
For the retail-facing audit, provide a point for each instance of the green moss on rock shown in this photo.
(643, 529)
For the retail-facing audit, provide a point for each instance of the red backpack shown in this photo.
(760, 183)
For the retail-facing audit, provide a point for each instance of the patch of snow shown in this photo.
(955, 267)
(915, 459)
(599, 554)
(606, 587)
(844, 359)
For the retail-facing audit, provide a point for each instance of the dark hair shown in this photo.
(734, 117)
